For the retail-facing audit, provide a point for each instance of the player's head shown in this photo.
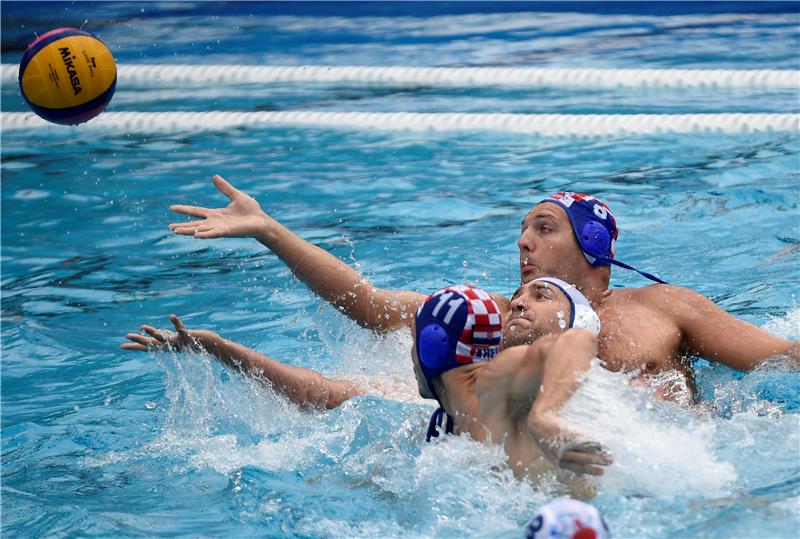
(556, 236)
(571, 236)
(565, 518)
(547, 306)
(455, 326)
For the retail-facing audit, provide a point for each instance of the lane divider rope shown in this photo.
(159, 75)
(550, 125)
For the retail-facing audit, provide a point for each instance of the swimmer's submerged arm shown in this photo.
(327, 276)
(708, 331)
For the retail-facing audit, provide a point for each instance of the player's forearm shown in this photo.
(302, 386)
(566, 362)
(333, 280)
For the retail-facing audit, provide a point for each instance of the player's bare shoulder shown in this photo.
(638, 329)
(669, 301)
(650, 296)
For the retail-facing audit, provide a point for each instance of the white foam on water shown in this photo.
(226, 423)
(214, 419)
(659, 448)
(442, 490)
(787, 326)
(380, 363)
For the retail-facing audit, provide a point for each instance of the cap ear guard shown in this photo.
(595, 241)
(434, 348)
(586, 318)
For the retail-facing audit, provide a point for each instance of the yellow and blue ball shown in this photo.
(67, 76)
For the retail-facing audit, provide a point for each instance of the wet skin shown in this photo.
(504, 401)
(637, 332)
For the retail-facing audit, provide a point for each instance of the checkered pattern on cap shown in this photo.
(479, 339)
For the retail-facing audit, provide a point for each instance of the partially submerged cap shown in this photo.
(582, 314)
(565, 518)
(595, 227)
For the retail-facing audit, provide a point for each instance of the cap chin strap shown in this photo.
(435, 423)
(601, 260)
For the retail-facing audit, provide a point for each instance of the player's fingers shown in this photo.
(224, 187)
(591, 448)
(583, 469)
(157, 334)
(579, 457)
(191, 225)
(586, 445)
(141, 340)
(194, 211)
(133, 346)
(209, 234)
(178, 323)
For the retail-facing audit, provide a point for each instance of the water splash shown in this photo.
(659, 448)
(215, 422)
(787, 326)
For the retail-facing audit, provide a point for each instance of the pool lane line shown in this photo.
(159, 75)
(548, 125)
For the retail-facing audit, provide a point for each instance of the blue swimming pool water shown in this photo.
(101, 442)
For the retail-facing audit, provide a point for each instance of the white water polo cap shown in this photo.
(582, 314)
(565, 518)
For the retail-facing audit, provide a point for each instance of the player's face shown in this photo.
(536, 309)
(548, 247)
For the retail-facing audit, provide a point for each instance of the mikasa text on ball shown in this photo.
(67, 76)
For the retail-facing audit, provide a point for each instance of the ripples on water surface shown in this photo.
(97, 441)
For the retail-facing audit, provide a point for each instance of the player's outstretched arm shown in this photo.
(327, 276)
(302, 386)
(710, 332)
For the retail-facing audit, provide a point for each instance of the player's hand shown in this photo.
(243, 217)
(568, 449)
(180, 340)
(584, 457)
